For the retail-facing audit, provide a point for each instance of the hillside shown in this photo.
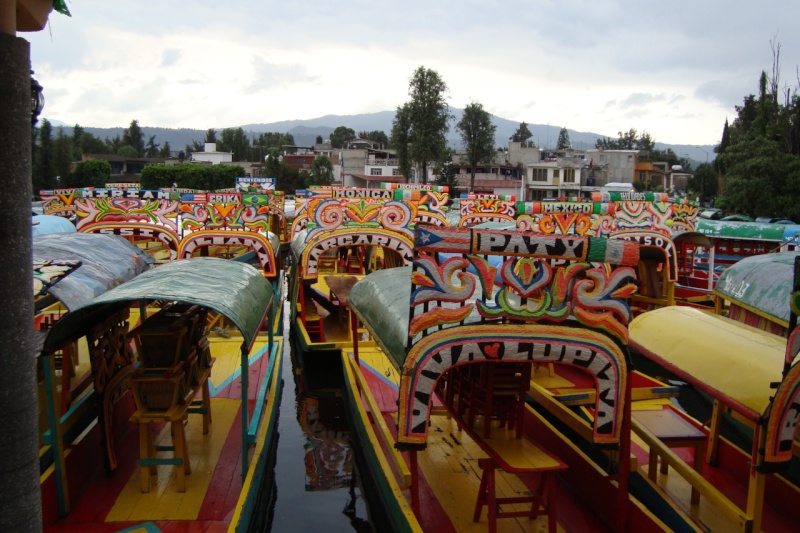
(305, 132)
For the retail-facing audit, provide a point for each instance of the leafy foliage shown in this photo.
(376, 136)
(759, 153)
(563, 140)
(91, 173)
(341, 135)
(522, 134)
(447, 174)
(321, 171)
(191, 176)
(400, 139)
(477, 135)
(134, 136)
(421, 123)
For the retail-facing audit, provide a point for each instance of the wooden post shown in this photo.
(624, 464)
(412, 455)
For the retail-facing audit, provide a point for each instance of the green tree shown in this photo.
(44, 168)
(164, 151)
(563, 140)
(376, 136)
(428, 118)
(191, 176)
(211, 136)
(151, 149)
(447, 175)
(134, 136)
(400, 139)
(760, 178)
(86, 143)
(235, 140)
(127, 151)
(522, 134)
(341, 135)
(62, 154)
(703, 182)
(321, 171)
(477, 136)
(90, 173)
(113, 144)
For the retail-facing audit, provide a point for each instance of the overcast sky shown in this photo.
(675, 69)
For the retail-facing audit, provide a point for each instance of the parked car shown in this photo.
(737, 218)
(775, 220)
(712, 213)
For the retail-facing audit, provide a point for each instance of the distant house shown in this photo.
(211, 155)
(125, 169)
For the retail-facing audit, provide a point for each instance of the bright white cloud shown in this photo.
(675, 70)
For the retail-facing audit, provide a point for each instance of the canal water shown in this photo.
(315, 486)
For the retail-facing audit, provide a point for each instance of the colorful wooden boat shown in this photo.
(742, 383)
(174, 433)
(428, 462)
(339, 239)
(428, 458)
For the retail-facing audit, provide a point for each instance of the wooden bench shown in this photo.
(517, 456)
(675, 432)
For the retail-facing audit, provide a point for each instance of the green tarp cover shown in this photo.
(106, 261)
(382, 301)
(740, 230)
(763, 282)
(236, 290)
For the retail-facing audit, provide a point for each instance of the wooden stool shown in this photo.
(542, 500)
(518, 456)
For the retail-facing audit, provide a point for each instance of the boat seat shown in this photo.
(312, 320)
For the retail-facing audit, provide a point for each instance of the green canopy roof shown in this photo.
(381, 300)
(759, 231)
(236, 290)
(761, 282)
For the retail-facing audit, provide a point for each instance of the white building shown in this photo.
(210, 155)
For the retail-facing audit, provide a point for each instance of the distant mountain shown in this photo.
(306, 131)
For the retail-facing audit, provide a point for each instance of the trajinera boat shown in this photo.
(339, 236)
(151, 420)
(736, 371)
(496, 395)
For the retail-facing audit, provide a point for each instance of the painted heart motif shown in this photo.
(491, 350)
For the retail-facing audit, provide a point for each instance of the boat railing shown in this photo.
(386, 437)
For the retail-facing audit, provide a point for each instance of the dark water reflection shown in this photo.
(315, 476)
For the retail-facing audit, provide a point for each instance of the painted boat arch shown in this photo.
(589, 350)
(265, 247)
(307, 253)
(139, 230)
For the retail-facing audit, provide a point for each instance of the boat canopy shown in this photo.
(760, 231)
(381, 299)
(761, 283)
(734, 360)
(44, 224)
(106, 261)
(236, 290)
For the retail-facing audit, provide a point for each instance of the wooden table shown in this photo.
(676, 432)
(340, 287)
